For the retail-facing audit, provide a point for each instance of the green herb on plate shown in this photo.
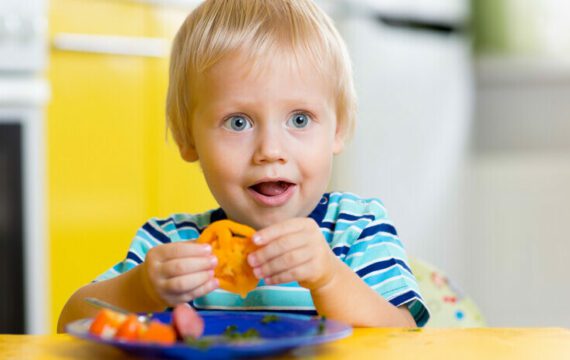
(231, 333)
(200, 343)
(268, 319)
(230, 330)
(322, 325)
(250, 334)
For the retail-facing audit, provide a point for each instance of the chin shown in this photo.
(264, 221)
(259, 224)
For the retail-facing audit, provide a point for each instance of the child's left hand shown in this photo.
(293, 250)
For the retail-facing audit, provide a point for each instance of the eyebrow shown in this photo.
(297, 103)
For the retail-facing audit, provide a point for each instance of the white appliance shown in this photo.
(413, 79)
(23, 94)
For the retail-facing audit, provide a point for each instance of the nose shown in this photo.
(270, 147)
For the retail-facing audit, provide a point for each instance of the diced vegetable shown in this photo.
(131, 329)
(159, 333)
(113, 325)
(106, 323)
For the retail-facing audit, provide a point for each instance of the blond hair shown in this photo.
(259, 28)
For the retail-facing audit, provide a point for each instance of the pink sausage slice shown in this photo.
(187, 322)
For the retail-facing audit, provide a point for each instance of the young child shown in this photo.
(261, 94)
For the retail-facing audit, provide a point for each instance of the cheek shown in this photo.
(221, 165)
(318, 161)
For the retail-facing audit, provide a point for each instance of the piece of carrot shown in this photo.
(106, 323)
(159, 333)
(131, 329)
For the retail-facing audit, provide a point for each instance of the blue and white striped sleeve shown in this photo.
(149, 235)
(378, 257)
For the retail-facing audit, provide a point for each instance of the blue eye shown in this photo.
(299, 121)
(237, 123)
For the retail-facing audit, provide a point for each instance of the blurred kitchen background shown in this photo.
(463, 131)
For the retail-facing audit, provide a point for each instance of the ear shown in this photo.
(188, 152)
(339, 136)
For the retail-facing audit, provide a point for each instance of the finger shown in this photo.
(287, 276)
(284, 262)
(184, 249)
(179, 267)
(275, 248)
(275, 231)
(202, 290)
(206, 288)
(183, 284)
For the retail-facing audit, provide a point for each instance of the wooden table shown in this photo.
(393, 344)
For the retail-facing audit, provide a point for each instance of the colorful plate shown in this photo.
(287, 332)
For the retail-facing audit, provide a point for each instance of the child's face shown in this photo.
(265, 139)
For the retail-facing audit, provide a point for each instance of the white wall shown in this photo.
(410, 145)
(487, 200)
(518, 239)
(519, 186)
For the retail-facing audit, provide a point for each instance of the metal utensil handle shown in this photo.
(105, 305)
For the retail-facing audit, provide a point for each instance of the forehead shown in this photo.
(280, 76)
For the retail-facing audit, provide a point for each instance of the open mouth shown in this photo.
(271, 188)
(272, 193)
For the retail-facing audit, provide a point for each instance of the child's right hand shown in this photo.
(178, 272)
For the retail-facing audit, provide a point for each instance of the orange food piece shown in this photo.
(106, 323)
(109, 324)
(231, 244)
(131, 329)
(159, 333)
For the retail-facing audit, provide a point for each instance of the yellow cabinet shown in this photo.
(110, 167)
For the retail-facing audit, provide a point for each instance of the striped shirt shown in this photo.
(357, 230)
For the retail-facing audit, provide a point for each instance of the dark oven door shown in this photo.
(12, 300)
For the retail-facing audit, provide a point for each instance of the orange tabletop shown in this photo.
(487, 343)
